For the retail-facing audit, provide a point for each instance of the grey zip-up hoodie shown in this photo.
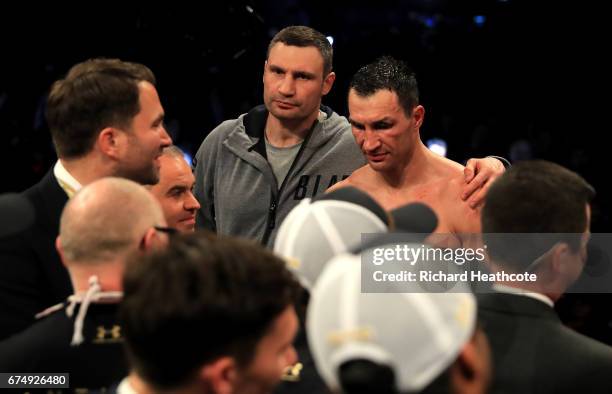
(236, 186)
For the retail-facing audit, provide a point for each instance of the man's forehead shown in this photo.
(147, 93)
(379, 97)
(375, 107)
(151, 109)
(182, 182)
(175, 167)
(294, 58)
(179, 184)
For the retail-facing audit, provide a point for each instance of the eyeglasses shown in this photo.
(169, 231)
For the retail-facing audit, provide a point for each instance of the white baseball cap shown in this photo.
(418, 335)
(317, 230)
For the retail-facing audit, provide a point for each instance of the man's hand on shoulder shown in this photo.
(479, 175)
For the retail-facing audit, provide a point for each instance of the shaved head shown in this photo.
(107, 219)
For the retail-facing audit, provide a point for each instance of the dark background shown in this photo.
(530, 81)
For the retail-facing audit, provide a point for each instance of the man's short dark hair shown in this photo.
(95, 94)
(534, 197)
(200, 299)
(387, 73)
(304, 36)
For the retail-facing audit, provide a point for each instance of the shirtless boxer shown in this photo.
(386, 117)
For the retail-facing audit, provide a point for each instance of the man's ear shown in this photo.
(470, 373)
(263, 76)
(220, 375)
(152, 239)
(559, 258)
(418, 114)
(328, 82)
(111, 142)
(60, 249)
(466, 364)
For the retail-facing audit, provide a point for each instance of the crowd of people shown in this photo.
(139, 274)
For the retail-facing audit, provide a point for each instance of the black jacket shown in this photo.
(32, 276)
(45, 347)
(534, 353)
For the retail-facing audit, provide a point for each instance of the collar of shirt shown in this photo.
(514, 290)
(65, 180)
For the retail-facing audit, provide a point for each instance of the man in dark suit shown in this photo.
(532, 351)
(106, 119)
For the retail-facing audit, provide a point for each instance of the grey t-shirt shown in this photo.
(280, 159)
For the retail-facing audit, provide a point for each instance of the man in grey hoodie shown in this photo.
(251, 171)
